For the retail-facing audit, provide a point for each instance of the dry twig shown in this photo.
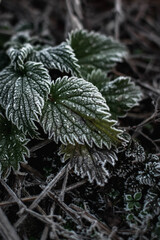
(7, 231)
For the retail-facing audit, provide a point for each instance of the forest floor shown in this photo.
(43, 200)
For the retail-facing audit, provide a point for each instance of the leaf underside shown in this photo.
(89, 162)
(77, 113)
(95, 51)
(12, 146)
(121, 94)
(22, 94)
(60, 57)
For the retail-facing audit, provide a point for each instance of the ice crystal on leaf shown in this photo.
(19, 54)
(22, 94)
(12, 146)
(77, 113)
(60, 57)
(121, 94)
(131, 159)
(152, 201)
(89, 162)
(80, 109)
(95, 51)
(135, 152)
(151, 172)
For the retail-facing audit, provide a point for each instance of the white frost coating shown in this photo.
(23, 95)
(12, 146)
(18, 56)
(78, 117)
(121, 94)
(151, 172)
(89, 162)
(95, 51)
(60, 57)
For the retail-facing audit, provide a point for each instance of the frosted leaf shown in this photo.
(145, 179)
(95, 51)
(130, 160)
(12, 146)
(98, 78)
(135, 153)
(123, 168)
(20, 37)
(19, 54)
(121, 94)
(60, 57)
(23, 94)
(152, 201)
(132, 184)
(151, 171)
(89, 162)
(77, 113)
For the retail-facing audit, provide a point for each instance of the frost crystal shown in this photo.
(12, 146)
(60, 57)
(95, 51)
(77, 113)
(23, 94)
(18, 55)
(89, 162)
(121, 94)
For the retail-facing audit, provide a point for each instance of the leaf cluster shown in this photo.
(136, 177)
(80, 108)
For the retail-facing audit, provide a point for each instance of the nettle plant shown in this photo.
(80, 108)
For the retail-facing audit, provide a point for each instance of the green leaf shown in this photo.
(130, 217)
(21, 37)
(128, 197)
(137, 205)
(135, 152)
(130, 206)
(19, 54)
(137, 196)
(77, 113)
(60, 57)
(12, 146)
(22, 94)
(121, 94)
(98, 78)
(89, 162)
(95, 51)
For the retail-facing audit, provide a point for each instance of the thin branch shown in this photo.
(68, 210)
(12, 194)
(149, 139)
(26, 199)
(93, 220)
(32, 198)
(152, 117)
(43, 193)
(23, 207)
(147, 86)
(7, 231)
(61, 196)
(40, 145)
(75, 185)
(74, 15)
(45, 233)
(118, 11)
